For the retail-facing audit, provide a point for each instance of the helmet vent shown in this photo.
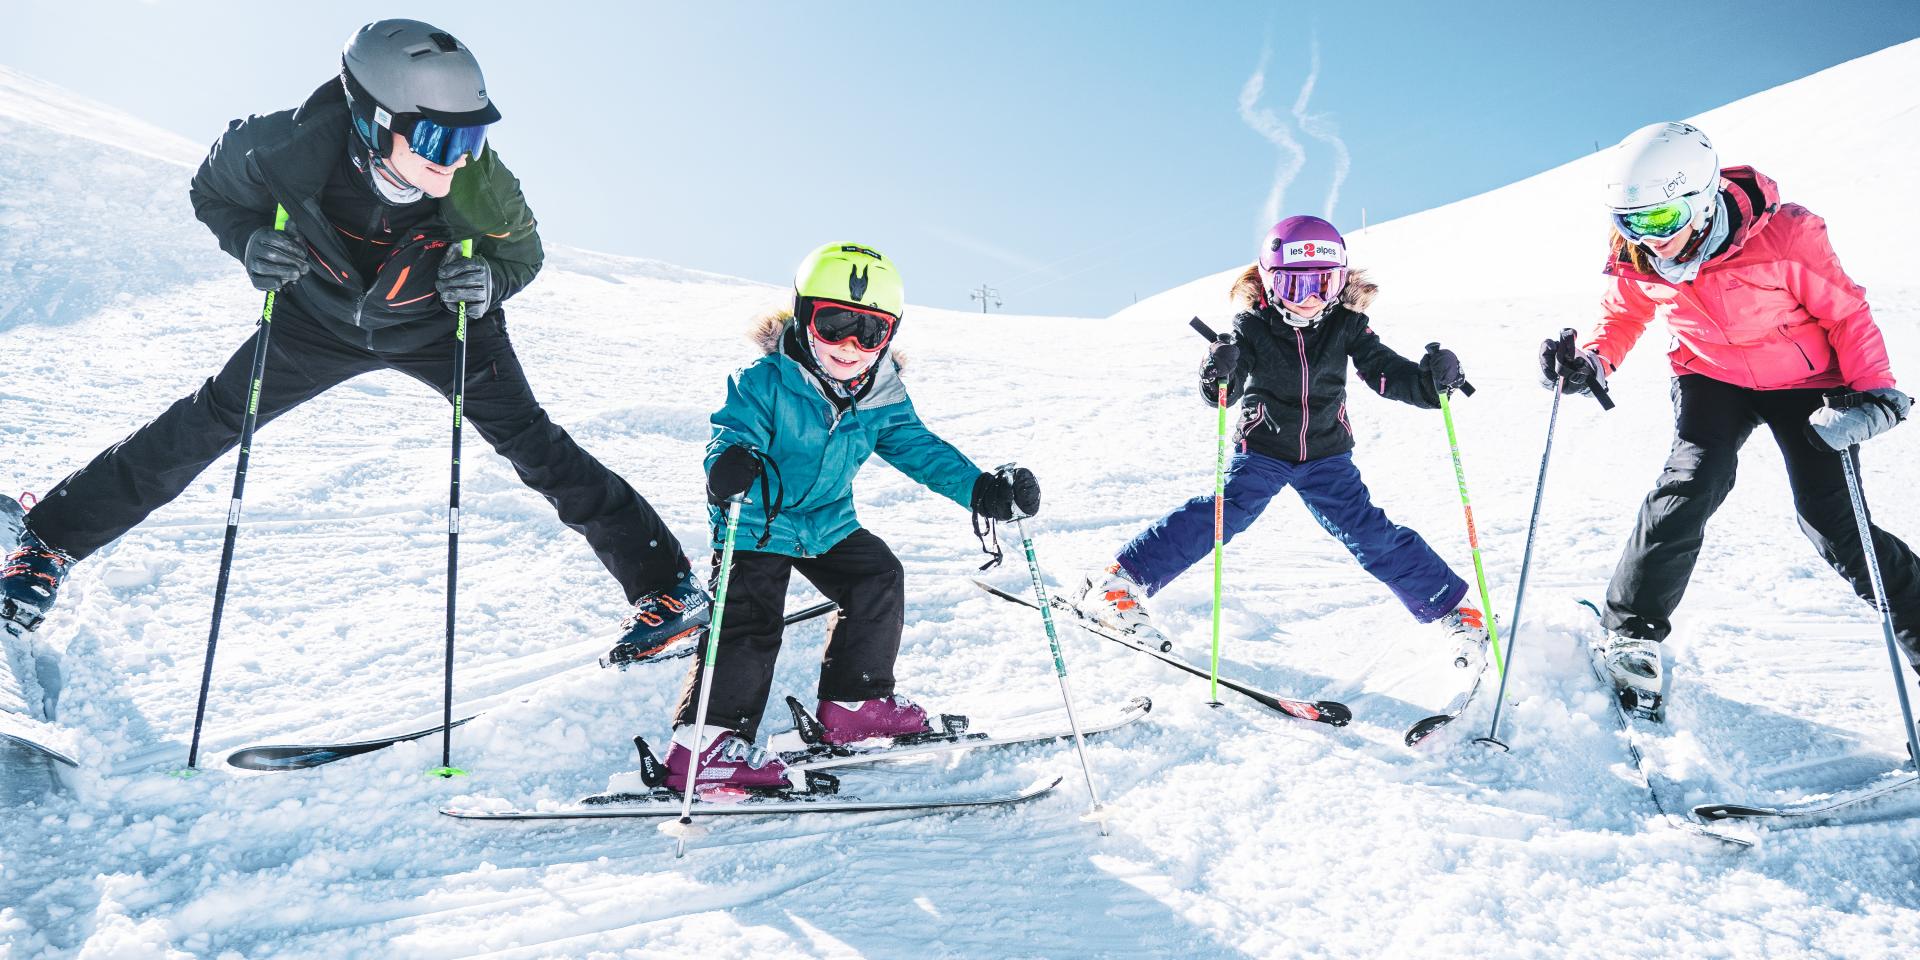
(445, 42)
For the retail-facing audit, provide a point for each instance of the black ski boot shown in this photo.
(664, 625)
(29, 582)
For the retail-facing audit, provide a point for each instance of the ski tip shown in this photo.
(1332, 713)
(1426, 728)
(1712, 812)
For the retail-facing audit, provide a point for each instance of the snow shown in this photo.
(1235, 831)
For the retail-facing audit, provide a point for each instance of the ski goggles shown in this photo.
(443, 145)
(1297, 286)
(1656, 222)
(836, 323)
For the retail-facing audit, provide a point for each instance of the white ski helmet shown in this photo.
(1660, 162)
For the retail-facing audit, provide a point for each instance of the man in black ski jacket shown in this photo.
(382, 172)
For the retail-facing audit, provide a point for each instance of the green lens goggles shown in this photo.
(1658, 222)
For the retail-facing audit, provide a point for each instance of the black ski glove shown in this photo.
(996, 495)
(1442, 367)
(1223, 358)
(1856, 417)
(732, 474)
(274, 258)
(465, 279)
(1583, 369)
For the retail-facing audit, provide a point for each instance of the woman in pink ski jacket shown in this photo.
(1766, 326)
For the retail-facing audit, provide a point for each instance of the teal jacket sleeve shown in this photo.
(914, 450)
(746, 419)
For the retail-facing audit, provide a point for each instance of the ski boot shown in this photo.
(29, 582)
(892, 718)
(1111, 599)
(1634, 664)
(1467, 629)
(729, 763)
(664, 624)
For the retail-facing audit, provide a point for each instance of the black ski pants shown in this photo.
(860, 574)
(1712, 420)
(129, 480)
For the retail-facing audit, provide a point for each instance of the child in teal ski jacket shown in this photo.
(796, 428)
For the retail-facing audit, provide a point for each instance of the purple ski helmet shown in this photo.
(1303, 257)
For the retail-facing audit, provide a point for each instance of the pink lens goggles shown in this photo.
(1297, 286)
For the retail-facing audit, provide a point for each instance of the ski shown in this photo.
(1318, 711)
(1428, 726)
(305, 756)
(1630, 735)
(1813, 807)
(662, 803)
(1043, 727)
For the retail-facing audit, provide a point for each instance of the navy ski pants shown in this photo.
(1334, 493)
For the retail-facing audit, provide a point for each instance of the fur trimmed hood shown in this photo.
(1357, 296)
(767, 326)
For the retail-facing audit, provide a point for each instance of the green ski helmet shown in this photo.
(851, 274)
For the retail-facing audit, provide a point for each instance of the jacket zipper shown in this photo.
(1305, 409)
(1796, 345)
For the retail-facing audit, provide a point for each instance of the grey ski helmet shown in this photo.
(398, 73)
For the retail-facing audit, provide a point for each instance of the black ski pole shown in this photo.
(446, 767)
(1880, 600)
(247, 424)
(1533, 525)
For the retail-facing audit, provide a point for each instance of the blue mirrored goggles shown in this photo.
(443, 145)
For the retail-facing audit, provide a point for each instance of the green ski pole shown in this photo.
(446, 768)
(247, 425)
(1219, 520)
(1473, 532)
(1097, 814)
(683, 827)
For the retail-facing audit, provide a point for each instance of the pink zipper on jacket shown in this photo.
(1301, 340)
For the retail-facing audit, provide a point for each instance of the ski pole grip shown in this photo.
(279, 217)
(1567, 351)
(1433, 349)
(466, 248)
(1201, 328)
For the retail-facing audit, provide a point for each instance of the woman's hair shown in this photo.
(1634, 253)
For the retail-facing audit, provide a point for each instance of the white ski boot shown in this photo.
(1111, 599)
(1467, 630)
(1635, 666)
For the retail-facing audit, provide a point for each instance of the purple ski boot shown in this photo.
(889, 718)
(729, 763)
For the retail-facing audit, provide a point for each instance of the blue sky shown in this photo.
(1074, 155)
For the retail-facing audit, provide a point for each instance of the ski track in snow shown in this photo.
(1236, 832)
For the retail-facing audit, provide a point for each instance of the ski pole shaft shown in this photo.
(1859, 499)
(1526, 566)
(1060, 669)
(706, 670)
(247, 424)
(1473, 533)
(1219, 539)
(1219, 515)
(446, 768)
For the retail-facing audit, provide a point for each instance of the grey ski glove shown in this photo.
(468, 280)
(1855, 417)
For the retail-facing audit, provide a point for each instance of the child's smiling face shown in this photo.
(843, 361)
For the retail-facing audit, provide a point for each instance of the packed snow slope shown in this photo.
(1236, 832)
